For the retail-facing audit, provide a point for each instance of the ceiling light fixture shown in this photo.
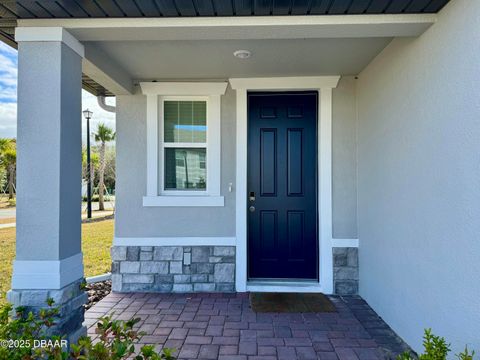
(242, 54)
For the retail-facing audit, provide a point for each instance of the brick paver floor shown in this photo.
(223, 326)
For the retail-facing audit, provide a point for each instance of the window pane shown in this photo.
(170, 118)
(185, 121)
(185, 169)
(199, 132)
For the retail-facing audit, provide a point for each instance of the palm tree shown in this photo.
(8, 157)
(103, 135)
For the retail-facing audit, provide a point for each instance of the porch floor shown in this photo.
(223, 326)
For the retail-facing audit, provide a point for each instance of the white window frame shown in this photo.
(157, 93)
(162, 145)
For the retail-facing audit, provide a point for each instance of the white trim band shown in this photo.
(49, 34)
(285, 83)
(183, 88)
(46, 274)
(343, 243)
(175, 241)
(243, 27)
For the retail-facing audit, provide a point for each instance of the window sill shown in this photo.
(183, 201)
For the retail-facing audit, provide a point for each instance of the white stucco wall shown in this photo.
(134, 220)
(419, 180)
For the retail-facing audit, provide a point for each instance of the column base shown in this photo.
(69, 299)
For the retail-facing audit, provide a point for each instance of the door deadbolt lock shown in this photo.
(251, 196)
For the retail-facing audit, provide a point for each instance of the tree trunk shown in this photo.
(11, 181)
(101, 179)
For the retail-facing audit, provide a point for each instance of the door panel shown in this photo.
(296, 235)
(282, 186)
(268, 236)
(268, 156)
(295, 162)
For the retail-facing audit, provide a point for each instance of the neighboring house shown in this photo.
(259, 145)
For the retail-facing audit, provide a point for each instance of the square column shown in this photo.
(48, 259)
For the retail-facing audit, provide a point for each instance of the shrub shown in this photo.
(436, 348)
(24, 330)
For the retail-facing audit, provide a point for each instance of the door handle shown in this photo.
(251, 208)
(251, 196)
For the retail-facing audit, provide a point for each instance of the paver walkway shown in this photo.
(223, 326)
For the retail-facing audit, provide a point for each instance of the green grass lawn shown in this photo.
(96, 241)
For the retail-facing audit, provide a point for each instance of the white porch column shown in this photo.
(48, 259)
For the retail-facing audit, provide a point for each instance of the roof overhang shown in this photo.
(104, 20)
(241, 28)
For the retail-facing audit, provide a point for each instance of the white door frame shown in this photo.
(324, 86)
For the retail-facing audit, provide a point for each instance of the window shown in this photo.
(183, 143)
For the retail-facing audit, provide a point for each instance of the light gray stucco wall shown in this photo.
(344, 159)
(134, 220)
(49, 151)
(419, 180)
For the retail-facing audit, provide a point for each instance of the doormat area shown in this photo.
(290, 303)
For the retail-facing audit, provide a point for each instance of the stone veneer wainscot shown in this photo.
(173, 268)
(345, 270)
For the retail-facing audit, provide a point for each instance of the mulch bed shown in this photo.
(97, 291)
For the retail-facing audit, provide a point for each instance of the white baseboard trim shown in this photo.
(174, 241)
(46, 274)
(345, 243)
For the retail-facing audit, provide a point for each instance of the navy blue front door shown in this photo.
(282, 186)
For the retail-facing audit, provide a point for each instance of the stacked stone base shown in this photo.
(69, 300)
(345, 271)
(173, 268)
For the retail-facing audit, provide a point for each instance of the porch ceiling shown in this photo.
(207, 59)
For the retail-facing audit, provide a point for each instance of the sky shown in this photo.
(8, 98)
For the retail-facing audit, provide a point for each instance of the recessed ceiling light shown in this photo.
(242, 54)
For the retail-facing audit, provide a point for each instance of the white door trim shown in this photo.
(324, 85)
